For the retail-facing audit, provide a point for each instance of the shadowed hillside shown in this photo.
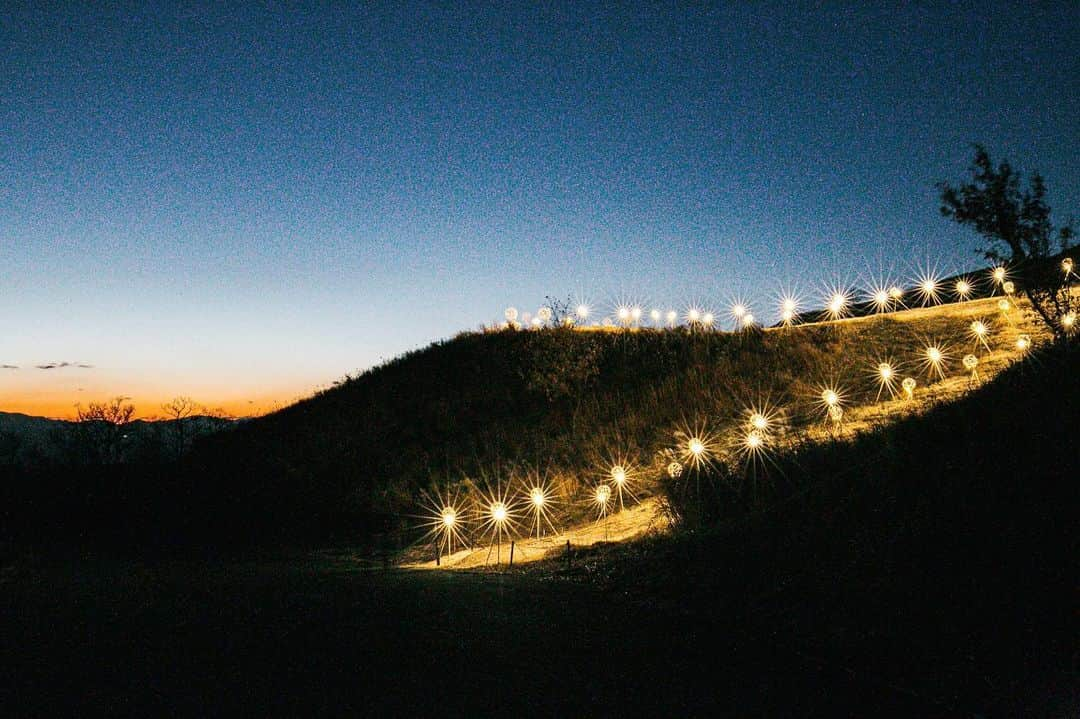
(497, 406)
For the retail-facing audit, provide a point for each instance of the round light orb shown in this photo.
(836, 413)
(978, 329)
(998, 273)
(511, 314)
(674, 470)
(603, 494)
(544, 314)
(929, 287)
(759, 421)
(537, 322)
(582, 311)
(654, 315)
(635, 313)
(449, 517)
(837, 303)
(498, 512)
(623, 313)
(693, 315)
(1009, 287)
(618, 474)
(881, 298)
(1067, 265)
(738, 310)
(536, 496)
(672, 317)
(895, 292)
(787, 316)
(755, 440)
(748, 320)
(830, 398)
(963, 288)
(885, 371)
(707, 319)
(934, 354)
(1023, 343)
(789, 305)
(909, 384)
(696, 446)
(1003, 305)
(1068, 320)
(970, 362)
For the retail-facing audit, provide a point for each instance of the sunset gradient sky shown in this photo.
(244, 205)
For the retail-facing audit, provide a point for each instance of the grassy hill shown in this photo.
(498, 407)
(921, 567)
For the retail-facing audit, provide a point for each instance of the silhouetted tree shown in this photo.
(178, 411)
(1016, 224)
(560, 309)
(102, 429)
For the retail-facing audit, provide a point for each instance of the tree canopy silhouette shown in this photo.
(1015, 222)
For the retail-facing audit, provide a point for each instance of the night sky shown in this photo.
(244, 205)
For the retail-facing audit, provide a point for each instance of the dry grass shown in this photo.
(891, 334)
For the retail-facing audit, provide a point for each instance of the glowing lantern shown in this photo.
(754, 441)
(449, 517)
(909, 384)
(674, 470)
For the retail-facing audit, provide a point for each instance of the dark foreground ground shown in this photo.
(317, 635)
(928, 569)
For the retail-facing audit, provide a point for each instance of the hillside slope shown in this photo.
(564, 404)
(933, 558)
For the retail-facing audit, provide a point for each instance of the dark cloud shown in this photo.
(61, 365)
(9, 366)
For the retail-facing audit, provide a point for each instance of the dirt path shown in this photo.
(631, 522)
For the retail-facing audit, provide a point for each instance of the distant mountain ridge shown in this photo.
(29, 438)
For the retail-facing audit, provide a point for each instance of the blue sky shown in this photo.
(244, 204)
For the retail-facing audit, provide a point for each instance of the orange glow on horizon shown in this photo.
(55, 393)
